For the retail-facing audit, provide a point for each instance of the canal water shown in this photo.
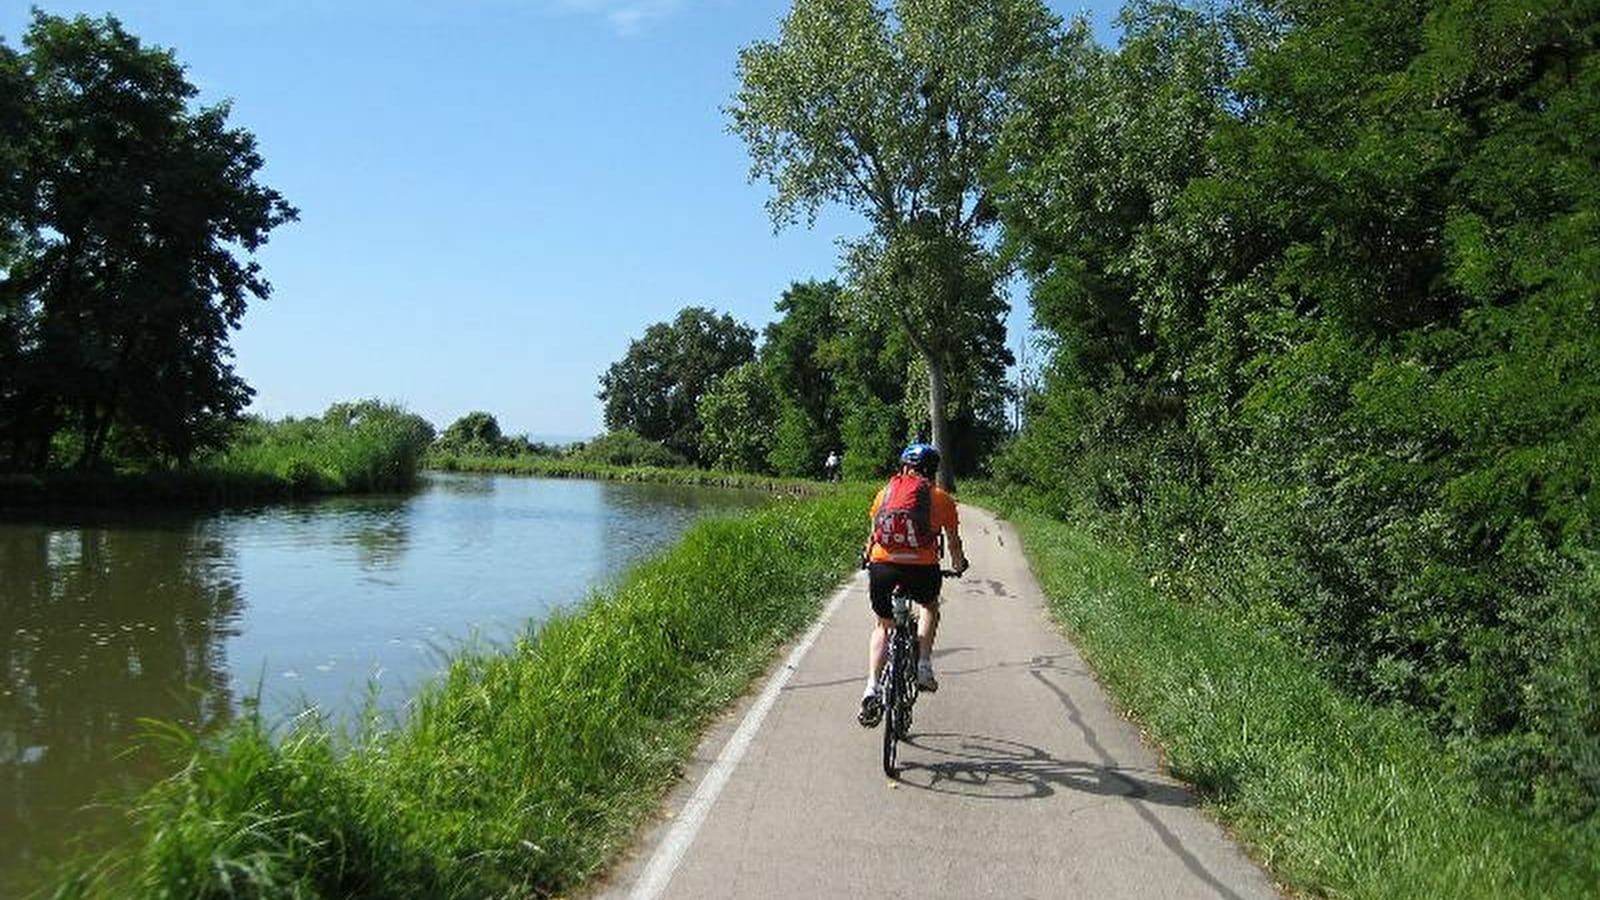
(110, 619)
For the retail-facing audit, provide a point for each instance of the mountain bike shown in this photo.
(899, 678)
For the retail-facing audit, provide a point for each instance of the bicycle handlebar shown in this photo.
(943, 573)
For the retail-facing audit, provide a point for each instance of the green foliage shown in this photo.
(802, 362)
(626, 448)
(874, 434)
(474, 434)
(736, 420)
(520, 770)
(126, 221)
(798, 445)
(1321, 284)
(477, 435)
(353, 447)
(841, 379)
(655, 389)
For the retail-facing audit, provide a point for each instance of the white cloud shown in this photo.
(626, 16)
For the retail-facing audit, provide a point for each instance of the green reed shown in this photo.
(519, 771)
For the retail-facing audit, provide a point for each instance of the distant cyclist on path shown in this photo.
(913, 520)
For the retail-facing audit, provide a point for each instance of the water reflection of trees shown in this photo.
(380, 539)
(99, 628)
(376, 529)
(636, 519)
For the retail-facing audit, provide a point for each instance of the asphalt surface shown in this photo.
(1020, 779)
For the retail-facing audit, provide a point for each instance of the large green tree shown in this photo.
(839, 378)
(15, 94)
(804, 376)
(893, 111)
(736, 415)
(136, 213)
(1322, 279)
(1091, 181)
(474, 434)
(655, 389)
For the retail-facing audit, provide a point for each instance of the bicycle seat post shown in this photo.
(902, 609)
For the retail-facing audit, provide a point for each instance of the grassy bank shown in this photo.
(563, 467)
(198, 486)
(1337, 797)
(362, 447)
(519, 772)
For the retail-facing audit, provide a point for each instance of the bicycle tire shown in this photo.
(891, 712)
(909, 690)
(900, 694)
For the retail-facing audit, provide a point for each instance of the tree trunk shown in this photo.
(938, 401)
(96, 428)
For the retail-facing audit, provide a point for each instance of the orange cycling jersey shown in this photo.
(942, 516)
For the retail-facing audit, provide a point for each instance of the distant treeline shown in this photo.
(832, 373)
(1322, 281)
(828, 375)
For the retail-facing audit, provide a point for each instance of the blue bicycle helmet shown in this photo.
(922, 457)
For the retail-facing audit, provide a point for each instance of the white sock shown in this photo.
(872, 687)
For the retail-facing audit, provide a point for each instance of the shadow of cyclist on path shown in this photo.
(987, 767)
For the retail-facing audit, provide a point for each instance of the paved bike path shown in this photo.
(1020, 781)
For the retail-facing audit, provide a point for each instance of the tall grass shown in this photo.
(1338, 797)
(353, 448)
(518, 772)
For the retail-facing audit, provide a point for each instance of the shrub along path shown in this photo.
(1020, 781)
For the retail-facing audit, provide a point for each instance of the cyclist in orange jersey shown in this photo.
(914, 520)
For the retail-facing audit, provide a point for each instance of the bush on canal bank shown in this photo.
(362, 447)
(520, 771)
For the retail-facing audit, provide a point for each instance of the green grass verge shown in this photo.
(520, 771)
(554, 467)
(1336, 797)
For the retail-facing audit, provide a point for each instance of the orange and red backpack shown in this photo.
(904, 524)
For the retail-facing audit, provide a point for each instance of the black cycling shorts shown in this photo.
(921, 582)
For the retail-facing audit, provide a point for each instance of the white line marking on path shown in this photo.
(676, 844)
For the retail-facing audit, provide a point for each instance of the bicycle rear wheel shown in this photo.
(891, 712)
(899, 692)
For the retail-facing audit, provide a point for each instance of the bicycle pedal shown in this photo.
(871, 712)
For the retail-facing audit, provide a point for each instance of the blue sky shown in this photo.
(496, 196)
